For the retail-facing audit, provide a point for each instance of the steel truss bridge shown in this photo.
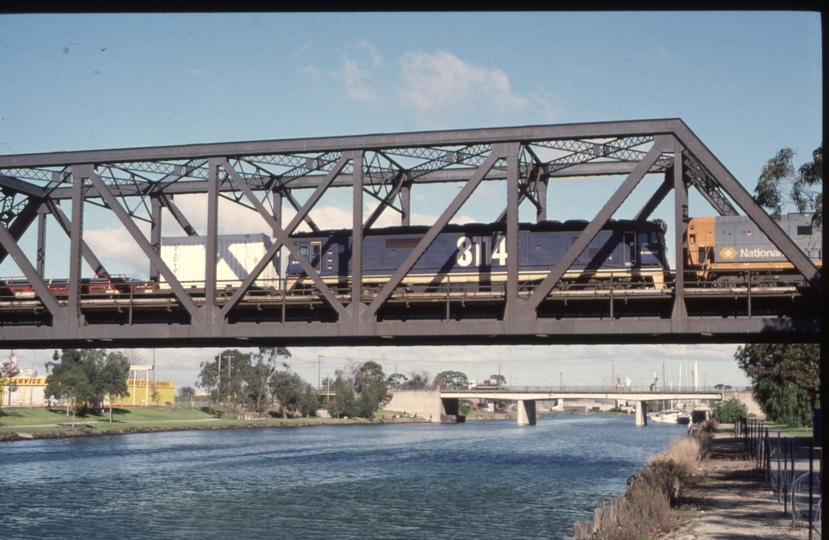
(136, 184)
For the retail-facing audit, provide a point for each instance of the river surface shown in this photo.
(486, 479)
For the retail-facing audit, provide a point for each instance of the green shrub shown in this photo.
(726, 412)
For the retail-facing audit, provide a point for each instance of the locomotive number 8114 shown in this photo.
(474, 256)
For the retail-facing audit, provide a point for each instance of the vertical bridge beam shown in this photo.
(526, 412)
(641, 413)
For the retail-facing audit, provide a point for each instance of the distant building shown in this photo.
(31, 392)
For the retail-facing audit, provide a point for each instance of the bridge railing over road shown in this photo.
(597, 389)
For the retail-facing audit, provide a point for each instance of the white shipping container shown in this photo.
(236, 256)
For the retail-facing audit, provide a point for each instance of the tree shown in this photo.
(8, 370)
(371, 385)
(112, 377)
(257, 378)
(785, 377)
(344, 401)
(396, 381)
(726, 412)
(73, 377)
(308, 402)
(229, 385)
(502, 381)
(187, 392)
(417, 381)
(287, 387)
(779, 186)
(451, 380)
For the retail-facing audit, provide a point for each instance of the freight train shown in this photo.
(100, 284)
(473, 257)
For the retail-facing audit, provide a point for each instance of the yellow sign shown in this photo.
(728, 253)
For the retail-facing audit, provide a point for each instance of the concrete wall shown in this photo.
(424, 403)
(746, 397)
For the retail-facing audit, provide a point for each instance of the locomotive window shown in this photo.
(303, 250)
(804, 230)
(402, 243)
(654, 239)
(643, 239)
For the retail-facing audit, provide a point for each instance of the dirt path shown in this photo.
(733, 502)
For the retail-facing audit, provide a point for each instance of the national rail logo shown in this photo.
(728, 253)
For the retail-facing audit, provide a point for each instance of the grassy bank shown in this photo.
(24, 423)
(803, 434)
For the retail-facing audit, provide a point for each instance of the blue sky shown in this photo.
(747, 83)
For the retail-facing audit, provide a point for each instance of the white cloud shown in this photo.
(366, 47)
(118, 251)
(311, 70)
(440, 83)
(356, 81)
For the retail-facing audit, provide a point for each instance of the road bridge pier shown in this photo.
(526, 412)
(641, 413)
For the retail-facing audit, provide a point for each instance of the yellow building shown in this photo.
(31, 392)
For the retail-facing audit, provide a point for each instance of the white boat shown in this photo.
(669, 417)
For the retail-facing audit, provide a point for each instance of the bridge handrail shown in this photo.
(595, 389)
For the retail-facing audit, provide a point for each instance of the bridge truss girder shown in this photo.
(135, 184)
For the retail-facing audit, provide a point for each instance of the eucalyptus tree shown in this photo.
(112, 377)
(780, 185)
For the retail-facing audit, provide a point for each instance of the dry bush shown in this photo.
(708, 426)
(688, 452)
(646, 513)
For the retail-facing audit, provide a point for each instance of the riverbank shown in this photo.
(732, 501)
(30, 424)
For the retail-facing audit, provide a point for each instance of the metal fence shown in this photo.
(788, 468)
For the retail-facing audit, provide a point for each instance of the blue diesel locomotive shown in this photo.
(473, 256)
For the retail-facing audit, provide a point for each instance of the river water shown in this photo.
(490, 479)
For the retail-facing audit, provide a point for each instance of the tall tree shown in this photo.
(223, 377)
(371, 385)
(502, 380)
(308, 401)
(8, 370)
(287, 387)
(187, 392)
(417, 381)
(112, 377)
(73, 377)
(256, 378)
(780, 186)
(396, 381)
(344, 401)
(451, 380)
(785, 377)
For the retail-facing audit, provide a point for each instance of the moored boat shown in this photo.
(669, 417)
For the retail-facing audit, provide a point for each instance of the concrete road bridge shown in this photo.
(444, 405)
(526, 397)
